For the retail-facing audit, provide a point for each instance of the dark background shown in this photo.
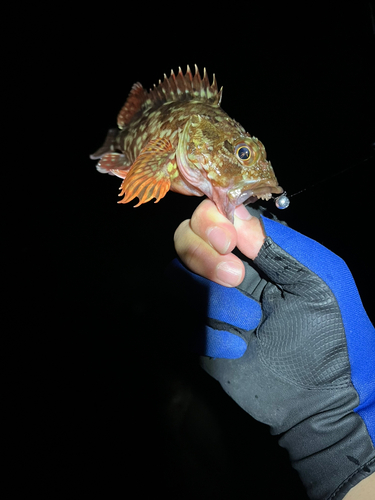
(106, 404)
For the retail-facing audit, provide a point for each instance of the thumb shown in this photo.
(250, 233)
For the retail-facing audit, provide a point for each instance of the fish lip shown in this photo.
(249, 193)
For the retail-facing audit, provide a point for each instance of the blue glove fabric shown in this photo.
(295, 331)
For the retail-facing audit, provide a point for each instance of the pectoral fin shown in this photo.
(150, 175)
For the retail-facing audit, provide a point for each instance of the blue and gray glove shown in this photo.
(293, 346)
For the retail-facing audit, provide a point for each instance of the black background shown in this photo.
(105, 402)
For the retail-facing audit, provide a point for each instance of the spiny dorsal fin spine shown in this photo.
(166, 85)
(205, 80)
(172, 81)
(197, 82)
(180, 81)
(214, 84)
(188, 81)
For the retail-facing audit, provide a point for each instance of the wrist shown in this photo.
(363, 490)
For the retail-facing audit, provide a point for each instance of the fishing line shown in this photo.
(283, 201)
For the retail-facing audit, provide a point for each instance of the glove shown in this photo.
(293, 346)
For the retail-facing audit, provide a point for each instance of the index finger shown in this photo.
(215, 229)
(196, 243)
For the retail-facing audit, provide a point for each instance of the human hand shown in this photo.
(298, 352)
(205, 243)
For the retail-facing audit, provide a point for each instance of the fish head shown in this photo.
(225, 163)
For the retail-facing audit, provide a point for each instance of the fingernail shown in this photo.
(242, 213)
(229, 273)
(219, 239)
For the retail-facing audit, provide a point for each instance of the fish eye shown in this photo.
(243, 152)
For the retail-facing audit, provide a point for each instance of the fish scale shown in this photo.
(177, 137)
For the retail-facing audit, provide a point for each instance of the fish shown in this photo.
(176, 137)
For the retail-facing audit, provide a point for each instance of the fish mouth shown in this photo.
(253, 192)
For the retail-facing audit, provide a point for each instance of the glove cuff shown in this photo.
(329, 470)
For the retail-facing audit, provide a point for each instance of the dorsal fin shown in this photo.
(184, 87)
(175, 88)
(133, 104)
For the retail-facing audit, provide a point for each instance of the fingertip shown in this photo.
(229, 273)
(213, 227)
(219, 239)
(181, 229)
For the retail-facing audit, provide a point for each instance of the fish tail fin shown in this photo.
(107, 146)
(114, 164)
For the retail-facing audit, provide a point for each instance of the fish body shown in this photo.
(177, 137)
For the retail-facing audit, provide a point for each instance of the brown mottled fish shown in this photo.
(176, 137)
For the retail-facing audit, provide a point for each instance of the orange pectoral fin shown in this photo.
(150, 174)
